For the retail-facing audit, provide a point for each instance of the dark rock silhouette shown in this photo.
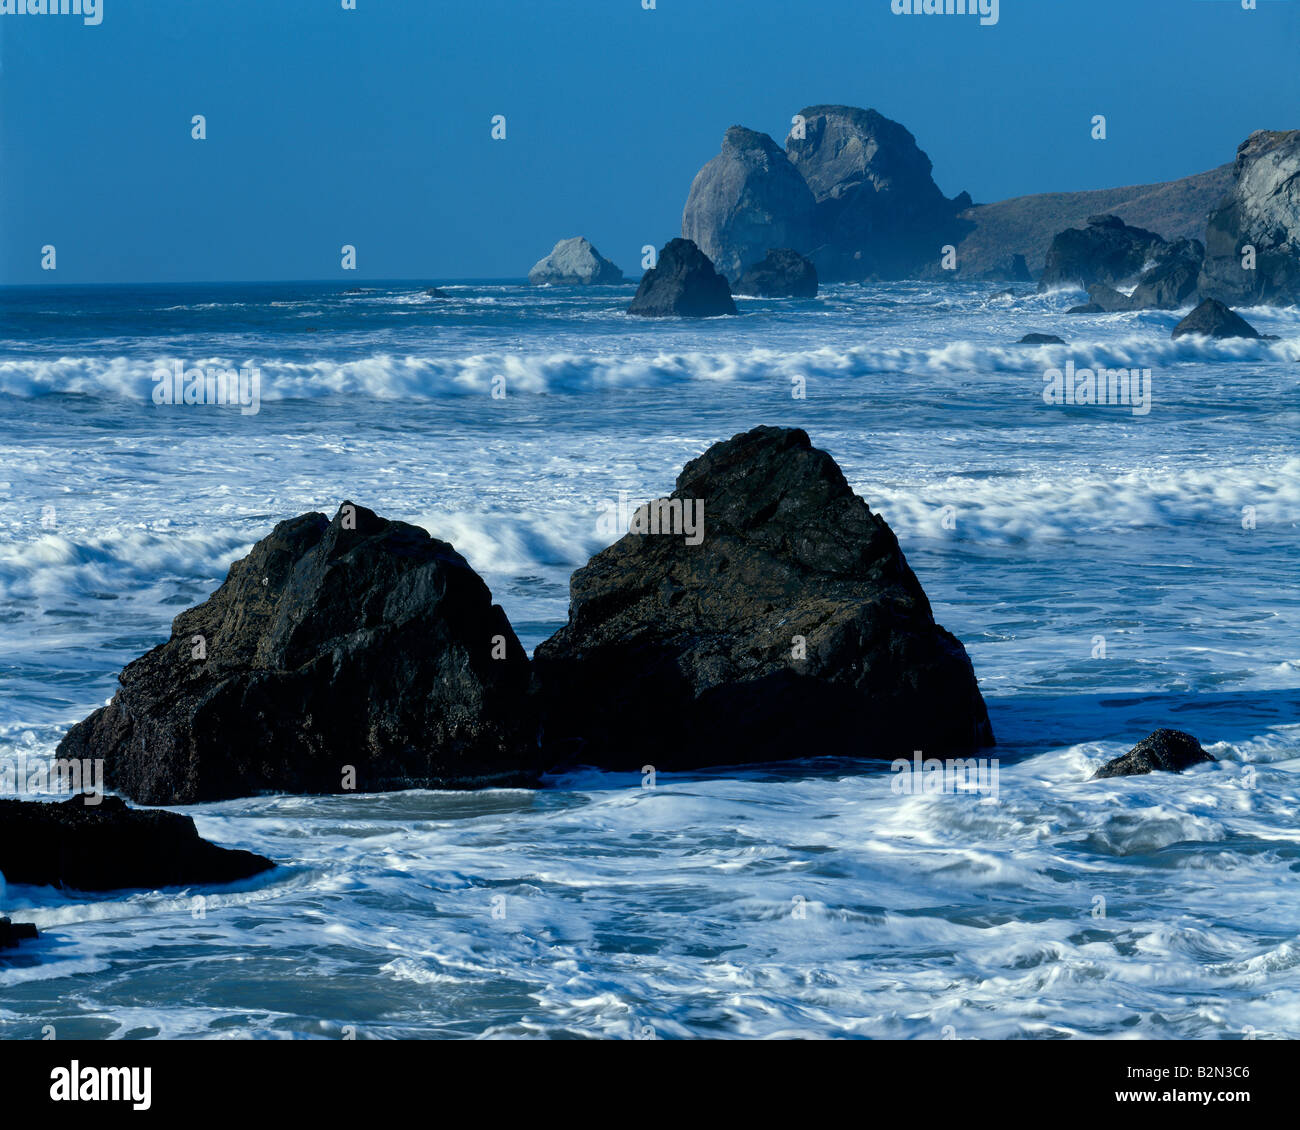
(782, 274)
(11, 933)
(1261, 210)
(1106, 251)
(1040, 339)
(354, 642)
(746, 201)
(108, 846)
(683, 284)
(794, 628)
(1213, 319)
(1170, 751)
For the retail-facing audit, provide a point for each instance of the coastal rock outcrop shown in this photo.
(1106, 251)
(852, 192)
(879, 212)
(1213, 319)
(746, 201)
(574, 262)
(1170, 751)
(682, 284)
(1171, 283)
(353, 653)
(784, 623)
(1040, 339)
(108, 846)
(11, 933)
(782, 274)
(1261, 212)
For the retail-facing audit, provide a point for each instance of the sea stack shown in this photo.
(779, 621)
(682, 284)
(574, 262)
(1213, 319)
(356, 653)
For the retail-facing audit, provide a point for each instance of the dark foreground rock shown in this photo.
(1040, 339)
(794, 628)
(1170, 751)
(1213, 319)
(354, 653)
(11, 933)
(108, 846)
(1261, 212)
(782, 274)
(683, 284)
(574, 262)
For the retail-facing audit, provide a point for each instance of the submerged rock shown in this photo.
(1040, 339)
(683, 284)
(354, 653)
(1213, 319)
(782, 274)
(1107, 251)
(747, 200)
(785, 624)
(1170, 751)
(574, 262)
(1261, 212)
(11, 933)
(108, 846)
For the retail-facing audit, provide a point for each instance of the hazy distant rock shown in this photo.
(782, 274)
(357, 642)
(1213, 319)
(1106, 251)
(746, 201)
(683, 284)
(879, 212)
(790, 625)
(1262, 210)
(108, 846)
(1169, 751)
(574, 262)
(434, 292)
(1040, 339)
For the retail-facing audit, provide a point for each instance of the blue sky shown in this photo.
(372, 126)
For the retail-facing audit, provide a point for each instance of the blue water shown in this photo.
(1108, 573)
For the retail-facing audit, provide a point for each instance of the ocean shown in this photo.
(1109, 571)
